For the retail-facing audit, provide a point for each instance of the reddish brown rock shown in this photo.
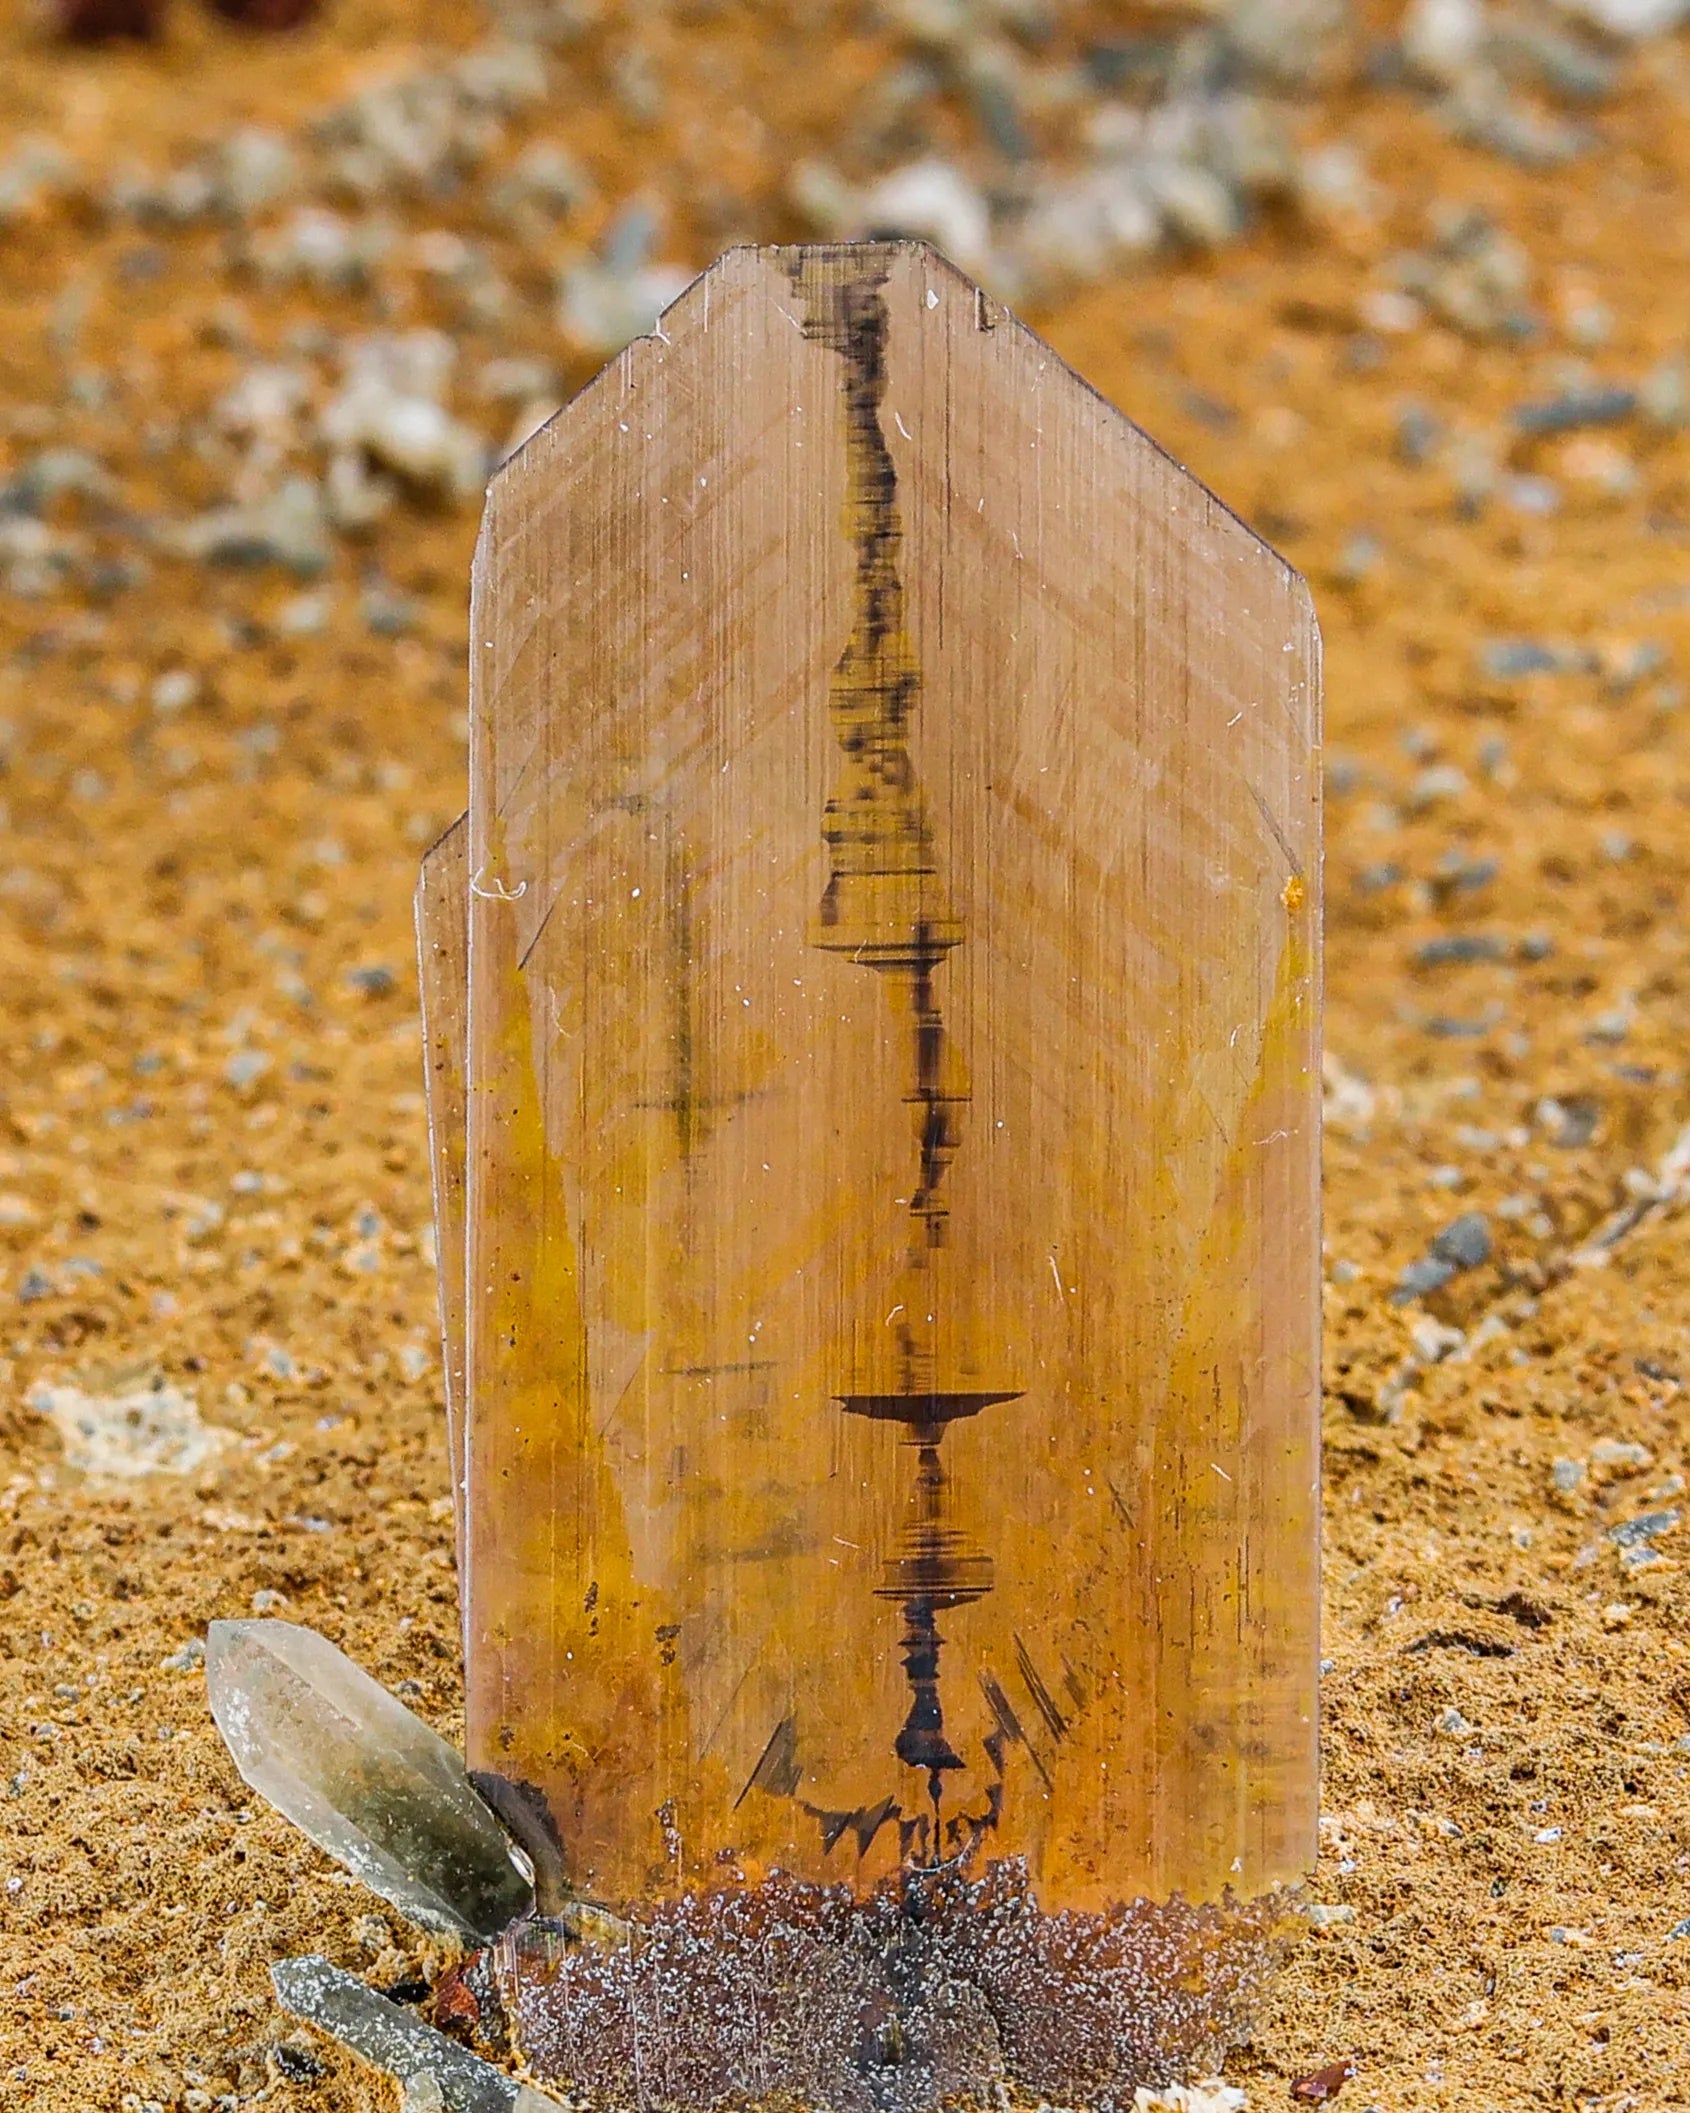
(105, 21)
(453, 2006)
(266, 14)
(1324, 2084)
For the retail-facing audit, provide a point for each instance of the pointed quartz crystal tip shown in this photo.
(370, 1783)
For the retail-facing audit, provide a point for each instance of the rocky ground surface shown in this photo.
(1410, 295)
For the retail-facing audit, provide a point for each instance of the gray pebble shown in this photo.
(1638, 1532)
(255, 168)
(1508, 658)
(1562, 63)
(1460, 946)
(287, 528)
(1483, 111)
(386, 611)
(1575, 408)
(1466, 1027)
(1536, 496)
(1421, 1278)
(1572, 1122)
(1418, 434)
(1465, 1243)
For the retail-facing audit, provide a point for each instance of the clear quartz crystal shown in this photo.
(370, 1783)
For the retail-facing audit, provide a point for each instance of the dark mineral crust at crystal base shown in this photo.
(934, 1990)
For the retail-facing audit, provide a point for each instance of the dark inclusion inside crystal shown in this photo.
(885, 908)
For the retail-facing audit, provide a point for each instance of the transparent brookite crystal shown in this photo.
(368, 1781)
(873, 1011)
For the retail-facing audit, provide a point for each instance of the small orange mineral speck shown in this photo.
(453, 2002)
(1324, 2084)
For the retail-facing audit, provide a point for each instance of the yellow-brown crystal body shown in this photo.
(891, 1278)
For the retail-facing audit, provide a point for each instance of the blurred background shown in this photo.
(282, 283)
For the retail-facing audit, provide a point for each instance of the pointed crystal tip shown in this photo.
(370, 1783)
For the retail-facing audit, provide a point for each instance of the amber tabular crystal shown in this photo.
(885, 1351)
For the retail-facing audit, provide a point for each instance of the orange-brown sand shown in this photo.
(1505, 1852)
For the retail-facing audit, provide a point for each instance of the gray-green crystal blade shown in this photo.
(390, 2037)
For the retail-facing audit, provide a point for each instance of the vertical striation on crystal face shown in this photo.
(370, 1783)
(888, 1268)
(442, 919)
